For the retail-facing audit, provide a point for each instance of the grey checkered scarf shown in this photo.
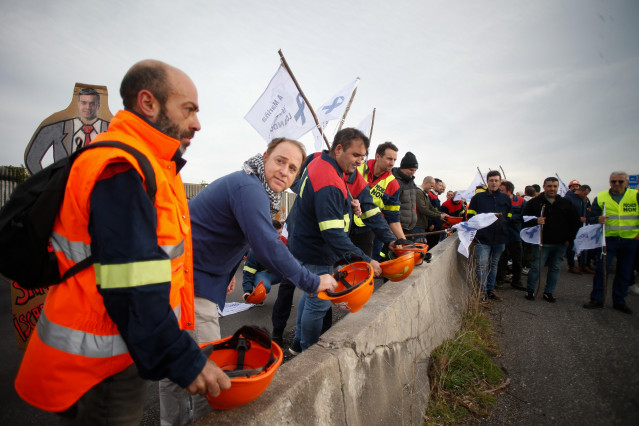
(255, 165)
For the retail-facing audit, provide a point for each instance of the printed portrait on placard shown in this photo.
(66, 131)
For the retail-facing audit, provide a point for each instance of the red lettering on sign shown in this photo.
(27, 294)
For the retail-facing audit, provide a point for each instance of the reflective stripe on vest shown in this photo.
(623, 217)
(78, 251)
(77, 342)
(377, 192)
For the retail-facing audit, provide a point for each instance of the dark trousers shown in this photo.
(118, 399)
(514, 252)
(625, 250)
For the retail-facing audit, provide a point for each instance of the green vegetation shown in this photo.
(463, 376)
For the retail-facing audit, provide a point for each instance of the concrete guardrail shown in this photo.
(371, 368)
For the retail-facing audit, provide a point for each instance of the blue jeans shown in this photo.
(553, 254)
(625, 249)
(311, 311)
(487, 261)
(268, 278)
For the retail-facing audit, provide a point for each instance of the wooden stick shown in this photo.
(603, 252)
(502, 172)
(421, 234)
(541, 248)
(299, 89)
(482, 176)
(370, 134)
(348, 107)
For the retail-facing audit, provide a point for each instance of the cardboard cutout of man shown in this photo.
(66, 131)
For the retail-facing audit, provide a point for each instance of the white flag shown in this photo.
(563, 189)
(467, 230)
(530, 235)
(470, 191)
(364, 126)
(589, 237)
(332, 109)
(280, 111)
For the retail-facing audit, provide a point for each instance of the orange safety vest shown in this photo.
(76, 344)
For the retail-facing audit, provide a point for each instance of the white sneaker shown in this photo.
(634, 289)
(524, 270)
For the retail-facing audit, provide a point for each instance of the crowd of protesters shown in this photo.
(161, 269)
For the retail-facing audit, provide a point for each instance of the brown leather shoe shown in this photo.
(587, 270)
(574, 270)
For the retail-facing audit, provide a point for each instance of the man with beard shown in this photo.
(385, 192)
(123, 319)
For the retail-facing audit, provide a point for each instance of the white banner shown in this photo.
(332, 109)
(563, 189)
(530, 235)
(364, 126)
(467, 230)
(470, 191)
(589, 237)
(280, 111)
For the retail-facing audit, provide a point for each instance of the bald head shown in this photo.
(149, 74)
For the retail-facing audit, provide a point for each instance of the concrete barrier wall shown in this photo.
(371, 367)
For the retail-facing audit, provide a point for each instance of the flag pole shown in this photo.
(502, 172)
(603, 252)
(370, 134)
(482, 177)
(348, 106)
(541, 248)
(299, 89)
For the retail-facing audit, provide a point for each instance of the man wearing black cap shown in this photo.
(405, 175)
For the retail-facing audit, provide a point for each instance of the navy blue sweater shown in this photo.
(492, 202)
(230, 215)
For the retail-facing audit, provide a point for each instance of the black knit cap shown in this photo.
(409, 161)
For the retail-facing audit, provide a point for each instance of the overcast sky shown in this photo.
(536, 87)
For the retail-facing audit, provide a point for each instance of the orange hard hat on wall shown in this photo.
(354, 285)
(250, 358)
(399, 268)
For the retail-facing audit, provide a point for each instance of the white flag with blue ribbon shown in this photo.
(281, 110)
(589, 237)
(332, 109)
(467, 230)
(531, 234)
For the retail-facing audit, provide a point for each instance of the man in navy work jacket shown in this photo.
(319, 234)
(491, 241)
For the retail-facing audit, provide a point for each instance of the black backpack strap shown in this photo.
(149, 179)
(143, 162)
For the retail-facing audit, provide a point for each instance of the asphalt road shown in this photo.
(568, 365)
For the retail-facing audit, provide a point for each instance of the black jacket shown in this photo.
(562, 220)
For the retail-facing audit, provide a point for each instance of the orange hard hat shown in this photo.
(354, 286)
(417, 249)
(399, 268)
(258, 295)
(250, 358)
(453, 220)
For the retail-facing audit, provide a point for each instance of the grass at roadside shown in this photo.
(463, 376)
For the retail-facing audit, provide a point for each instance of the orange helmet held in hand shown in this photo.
(354, 286)
(250, 359)
(258, 295)
(399, 268)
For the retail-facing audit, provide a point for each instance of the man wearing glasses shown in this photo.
(622, 232)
